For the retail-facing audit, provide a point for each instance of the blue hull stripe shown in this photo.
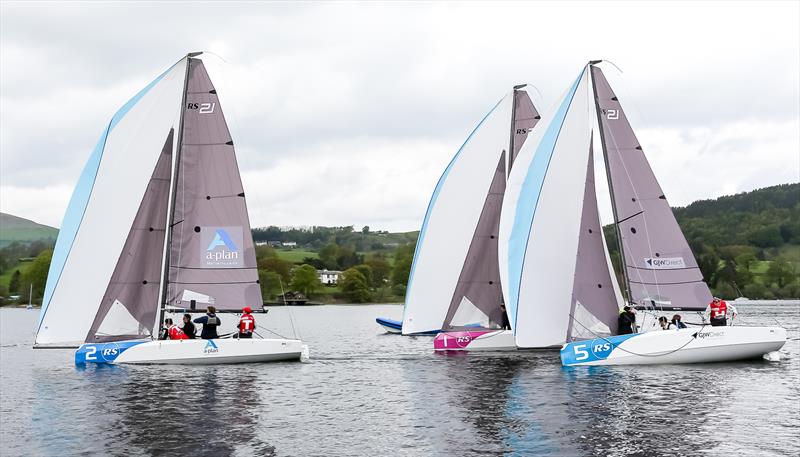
(581, 352)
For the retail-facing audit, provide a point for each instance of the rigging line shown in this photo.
(631, 352)
(630, 217)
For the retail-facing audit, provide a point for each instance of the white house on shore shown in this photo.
(329, 277)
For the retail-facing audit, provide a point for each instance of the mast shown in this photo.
(623, 265)
(173, 192)
(513, 129)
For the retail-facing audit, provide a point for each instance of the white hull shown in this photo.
(479, 340)
(192, 352)
(391, 329)
(692, 345)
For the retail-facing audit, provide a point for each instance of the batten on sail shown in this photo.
(659, 265)
(103, 207)
(541, 215)
(450, 221)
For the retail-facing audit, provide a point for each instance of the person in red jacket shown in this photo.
(247, 323)
(173, 331)
(718, 312)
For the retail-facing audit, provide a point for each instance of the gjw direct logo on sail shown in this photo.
(221, 247)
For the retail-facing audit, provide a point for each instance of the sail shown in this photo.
(211, 251)
(451, 220)
(478, 284)
(541, 214)
(525, 118)
(103, 207)
(129, 305)
(660, 266)
(595, 306)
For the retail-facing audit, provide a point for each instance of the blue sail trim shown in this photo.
(435, 195)
(529, 199)
(80, 200)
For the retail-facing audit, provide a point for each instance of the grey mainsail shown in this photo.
(211, 253)
(129, 307)
(659, 265)
(478, 294)
(594, 307)
(525, 118)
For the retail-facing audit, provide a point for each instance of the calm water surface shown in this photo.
(368, 393)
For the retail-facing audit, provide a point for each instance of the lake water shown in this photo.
(369, 393)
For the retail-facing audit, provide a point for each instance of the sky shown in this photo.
(346, 113)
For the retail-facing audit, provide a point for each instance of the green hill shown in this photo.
(13, 228)
(746, 244)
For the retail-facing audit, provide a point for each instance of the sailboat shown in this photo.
(157, 224)
(555, 267)
(454, 281)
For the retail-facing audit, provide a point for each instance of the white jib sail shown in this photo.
(538, 237)
(453, 213)
(103, 207)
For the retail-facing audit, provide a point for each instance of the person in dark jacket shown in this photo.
(504, 323)
(626, 323)
(188, 327)
(677, 322)
(210, 323)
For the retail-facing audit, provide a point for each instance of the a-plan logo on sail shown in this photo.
(221, 247)
(211, 348)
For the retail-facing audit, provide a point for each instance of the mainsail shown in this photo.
(106, 274)
(478, 294)
(659, 266)
(211, 252)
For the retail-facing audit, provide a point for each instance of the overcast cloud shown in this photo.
(347, 113)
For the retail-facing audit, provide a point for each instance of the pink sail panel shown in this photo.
(660, 266)
(212, 258)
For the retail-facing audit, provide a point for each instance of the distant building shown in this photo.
(290, 244)
(268, 243)
(329, 277)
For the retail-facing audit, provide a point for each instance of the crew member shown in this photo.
(247, 323)
(188, 327)
(677, 322)
(718, 312)
(173, 331)
(210, 323)
(504, 323)
(626, 323)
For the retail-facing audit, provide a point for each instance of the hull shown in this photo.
(704, 345)
(191, 352)
(479, 340)
(396, 327)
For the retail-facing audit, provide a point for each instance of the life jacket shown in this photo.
(247, 323)
(175, 333)
(719, 310)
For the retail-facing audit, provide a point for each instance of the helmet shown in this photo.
(247, 309)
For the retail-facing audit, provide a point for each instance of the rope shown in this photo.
(616, 346)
